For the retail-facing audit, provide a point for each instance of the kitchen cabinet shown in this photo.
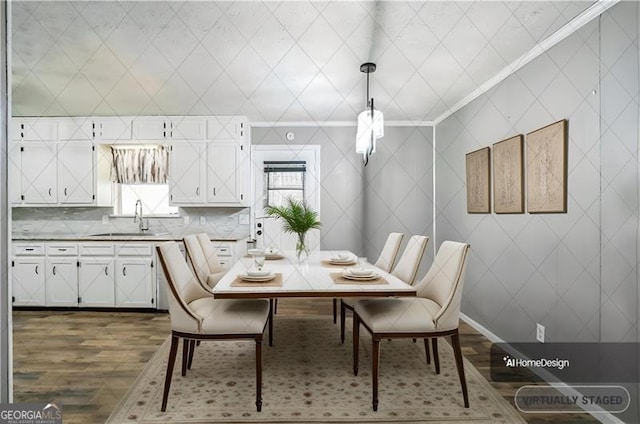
(61, 281)
(96, 285)
(178, 128)
(226, 128)
(134, 282)
(39, 170)
(28, 281)
(34, 129)
(76, 172)
(186, 173)
(113, 129)
(76, 129)
(223, 177)
(14, 174)
(27, 274)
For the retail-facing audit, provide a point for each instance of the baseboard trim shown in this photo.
(603, 417)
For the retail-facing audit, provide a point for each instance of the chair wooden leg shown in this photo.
(275, 306)
(192, 348)
(375, 357)
(185, 355)
(335, 310)
(356, 342)
(343, 317)
(426, 350)
(167, 380)
(436, 359)
(455, 341)
(259, 374)
(271, 306)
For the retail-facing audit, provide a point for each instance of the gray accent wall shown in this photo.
(398, 190)
(575, 273)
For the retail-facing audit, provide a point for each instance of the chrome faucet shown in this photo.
(142, 227)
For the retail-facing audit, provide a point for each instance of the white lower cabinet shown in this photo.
(96, 287)
(61, 281)
(28, 281)
(92, 274)
(134, 282)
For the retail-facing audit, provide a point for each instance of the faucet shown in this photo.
(142, 227)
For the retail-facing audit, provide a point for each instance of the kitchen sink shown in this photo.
(136, 234)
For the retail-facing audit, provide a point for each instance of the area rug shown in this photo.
(308, 378)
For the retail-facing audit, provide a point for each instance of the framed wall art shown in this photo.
(508, 176)
(547, 169)
(478, 166)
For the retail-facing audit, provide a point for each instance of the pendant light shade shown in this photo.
(370, 122)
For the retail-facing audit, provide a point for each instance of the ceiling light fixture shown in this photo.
(370, 122)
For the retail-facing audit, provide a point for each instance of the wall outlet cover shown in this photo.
(540, 332)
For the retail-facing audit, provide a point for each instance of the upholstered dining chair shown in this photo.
(406, 270)
(196, 315)
(433, 313)
(204, 260)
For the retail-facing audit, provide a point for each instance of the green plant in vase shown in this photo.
(297, 218)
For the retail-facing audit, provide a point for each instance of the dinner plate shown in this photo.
(359, 272)
(349, 276)
(348, 262)
(263, 278)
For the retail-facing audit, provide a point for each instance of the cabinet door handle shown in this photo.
(65, 191)
(197, 191)
(61, 249)
(106, 270)
(49, 191)
(36, 269)
(124, 271)
(214, 191)
(29, 249)
(54, 270)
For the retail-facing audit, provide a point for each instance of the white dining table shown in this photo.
(312, 278)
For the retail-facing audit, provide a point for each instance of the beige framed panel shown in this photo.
(546, 162)
(478, 166)
(508, 175)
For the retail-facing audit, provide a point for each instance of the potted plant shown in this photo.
(298, 218)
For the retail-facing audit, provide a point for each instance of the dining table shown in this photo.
(318, 276)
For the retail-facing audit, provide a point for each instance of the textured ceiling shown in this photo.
(271, 61)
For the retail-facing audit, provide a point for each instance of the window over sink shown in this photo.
(154, 197)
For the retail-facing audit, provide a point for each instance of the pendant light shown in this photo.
(370, 122)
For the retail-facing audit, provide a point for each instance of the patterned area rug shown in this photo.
(308, 378)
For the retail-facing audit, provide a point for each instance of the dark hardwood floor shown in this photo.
(88, 360)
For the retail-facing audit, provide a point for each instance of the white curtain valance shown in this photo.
(139, 165)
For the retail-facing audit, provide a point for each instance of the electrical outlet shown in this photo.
(203, 220)
(540, 332)
(105, 219)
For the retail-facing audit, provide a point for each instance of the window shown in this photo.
(284, 179)
(154, 197)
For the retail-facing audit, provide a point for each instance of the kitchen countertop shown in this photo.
(114, 237)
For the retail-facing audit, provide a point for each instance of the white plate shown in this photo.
(268, 277)
(358, 272)
(271, 252)
(342, 259)
(348, 276)
(258, 273)
(349, 262)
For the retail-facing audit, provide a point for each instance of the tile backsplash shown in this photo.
(78, 221)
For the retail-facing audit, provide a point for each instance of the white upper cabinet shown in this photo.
(176, 128)
(76, 173)
(34, 129)
(226, 128)
(76, 129)
(222, 172)
(186, 173)
(113, 129)
(39, 171)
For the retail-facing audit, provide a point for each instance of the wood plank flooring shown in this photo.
(88, 360)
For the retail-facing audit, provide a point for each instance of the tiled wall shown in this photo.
(219, 222)
(576, 273)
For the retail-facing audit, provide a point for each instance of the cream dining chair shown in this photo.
(385, 262)
(433, 313)
(204, 260)
(196, 315)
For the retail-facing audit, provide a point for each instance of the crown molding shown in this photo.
(282, 124)
(569, 28)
